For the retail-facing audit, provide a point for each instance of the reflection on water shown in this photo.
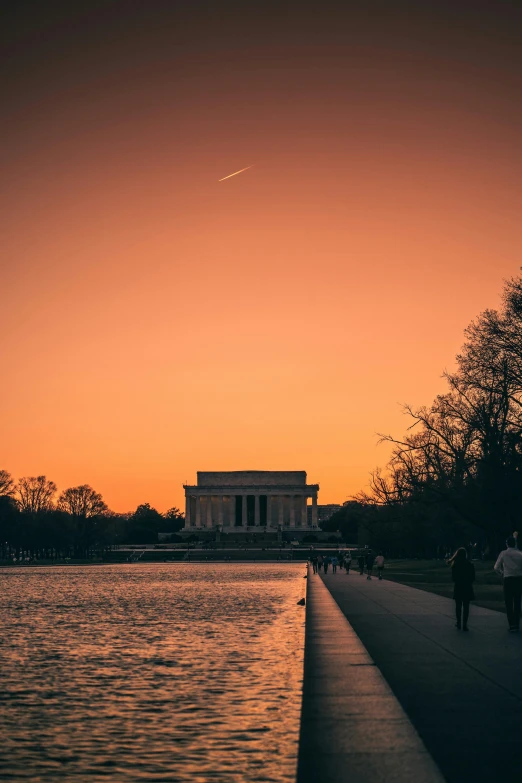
(154, 673)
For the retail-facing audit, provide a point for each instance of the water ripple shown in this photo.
(151, 673)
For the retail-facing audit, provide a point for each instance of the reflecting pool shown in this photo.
(178, 672)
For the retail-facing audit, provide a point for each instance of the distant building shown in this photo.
(251, 501)
(324, 512)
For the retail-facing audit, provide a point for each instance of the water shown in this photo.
(155, 673)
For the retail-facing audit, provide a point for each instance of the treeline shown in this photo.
(455, 477)
(38, 523)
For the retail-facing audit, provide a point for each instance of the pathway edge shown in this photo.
(352, 725)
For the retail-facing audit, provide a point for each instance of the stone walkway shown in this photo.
(352, 726)
(462, 691)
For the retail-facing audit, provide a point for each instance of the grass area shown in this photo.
(435, 577)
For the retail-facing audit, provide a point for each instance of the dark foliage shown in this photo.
(79, 525)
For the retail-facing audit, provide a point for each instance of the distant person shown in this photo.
(379, 562)
(320, 562)
(334, 562)
(314, 564)
(509, 567)
(463, 576)
(370, 559)
(361, 560)
(347, 562)
(326, 563)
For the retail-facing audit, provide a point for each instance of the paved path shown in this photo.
(462, 691)
(352, 726)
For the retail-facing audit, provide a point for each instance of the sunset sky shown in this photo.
(155, 321)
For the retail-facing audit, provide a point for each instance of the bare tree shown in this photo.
(35, 494)
(7, 485)
(465, 449)
(82, 501)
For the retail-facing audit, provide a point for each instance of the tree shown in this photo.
(144, 525)
(9, 519)
(88, 512)
(35, 494)
(7, 485)
(175, 520)
(462, 456)
(347, 520)
(82, 501)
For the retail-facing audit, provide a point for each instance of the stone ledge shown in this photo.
(352, 726)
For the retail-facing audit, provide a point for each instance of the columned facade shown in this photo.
(250, 501)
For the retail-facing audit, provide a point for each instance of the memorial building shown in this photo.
(251, 501)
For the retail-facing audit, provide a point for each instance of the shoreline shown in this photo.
(157, 563)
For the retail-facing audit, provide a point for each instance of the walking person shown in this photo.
(379, 562)
(509, 567)
(370, 559)
(463, 576)
(320, 562)
(314, 563)
(334, 564)
(347, 562)
(361, 560)
(326, 563)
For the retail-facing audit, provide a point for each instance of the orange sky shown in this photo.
(156, 322)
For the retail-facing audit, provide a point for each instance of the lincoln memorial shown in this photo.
(250, 501)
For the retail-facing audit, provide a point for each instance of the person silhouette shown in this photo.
(370, 559)
(463, 576)
(509, 567)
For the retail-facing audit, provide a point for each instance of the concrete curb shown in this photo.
(352, 726)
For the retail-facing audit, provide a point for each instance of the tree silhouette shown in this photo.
(174, 520)
(463, 454)
(9, 516)
(35, 494)
(144, 525)
(7, 485)
(82, 501)
(87, 511)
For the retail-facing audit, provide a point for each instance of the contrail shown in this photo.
(235, 172)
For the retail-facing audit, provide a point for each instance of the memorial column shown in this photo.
(314, 509)
(268, 511)
(281, 514)
(209, 511)
(220, 510)
(198, 511)
(292, 510)
(304, 512)
(244, 518)
(257, 511)
(187, 511)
